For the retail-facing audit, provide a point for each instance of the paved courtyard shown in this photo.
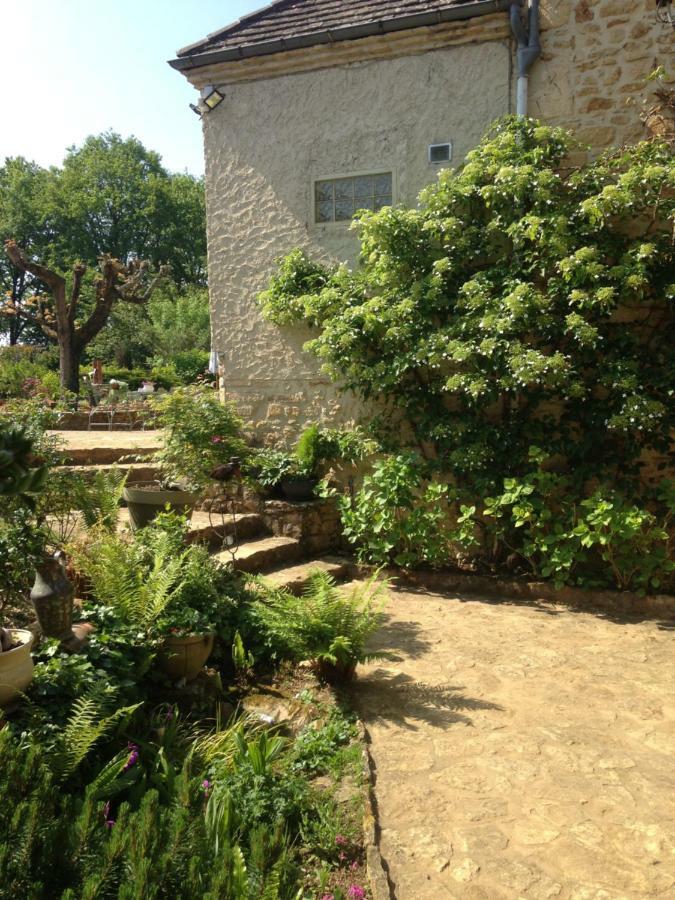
(522, 751)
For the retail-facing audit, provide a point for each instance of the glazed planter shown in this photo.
(184, 657)
(146, 500)
(298, 488)
(52, 596)
(16, 667)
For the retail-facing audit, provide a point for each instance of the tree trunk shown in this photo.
(69, 365)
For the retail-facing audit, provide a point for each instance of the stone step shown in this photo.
(213, 528)
(262, 555)
(135, 472)
(295, 578)
(84, 448)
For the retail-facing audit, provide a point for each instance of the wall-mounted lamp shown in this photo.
(196, 110)
(211, 96)
(664, 12)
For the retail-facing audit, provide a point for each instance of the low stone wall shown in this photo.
(315, 524)
(615, 603)
(79, 421)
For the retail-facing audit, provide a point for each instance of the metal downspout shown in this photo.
(529, 48)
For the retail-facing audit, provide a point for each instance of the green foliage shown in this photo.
(324, 624)
(320, 750)
(21, 548)
(19, 475)
(601, 541)
(200, 433)
(56, 844)
(398, 515)
(180, 320)
(101, 498)
(242, 659)
(267, 467)
(308, 449)
(135, 585)
(523, 303)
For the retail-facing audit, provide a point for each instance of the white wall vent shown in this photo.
(440, 153)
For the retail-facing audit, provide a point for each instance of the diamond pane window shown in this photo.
(338, 199)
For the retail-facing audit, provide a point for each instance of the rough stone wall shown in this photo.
(596, 55)
(335, 114)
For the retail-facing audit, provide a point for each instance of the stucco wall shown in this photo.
(265, 144)
(335, 114)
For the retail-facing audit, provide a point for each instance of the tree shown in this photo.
(57, 316)
(527, 302)
(22, 187)
(111, 196)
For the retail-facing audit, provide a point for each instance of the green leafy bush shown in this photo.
(200, 433)
(325, 625)
(398, 515)
(525, 302)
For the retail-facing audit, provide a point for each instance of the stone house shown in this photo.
(313, 108)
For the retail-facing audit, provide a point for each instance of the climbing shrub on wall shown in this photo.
(525, 303)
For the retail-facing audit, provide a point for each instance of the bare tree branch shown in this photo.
(78, 275)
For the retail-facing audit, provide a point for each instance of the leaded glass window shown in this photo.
(337, 199)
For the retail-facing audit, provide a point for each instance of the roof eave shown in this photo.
(345, 33)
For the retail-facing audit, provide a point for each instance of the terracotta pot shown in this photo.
(52, 596)
(183, 657)
(145, 501)
(336, 673)
(16, 667)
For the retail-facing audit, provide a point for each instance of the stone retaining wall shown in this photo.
(616, 603)
(316, 524)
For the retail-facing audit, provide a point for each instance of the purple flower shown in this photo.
(328, 897)
(341, 840)
(216, 439)
(354, 866)
(107, 821)
(169, 714)
(133, 758)
(206, 787)
(356, 892)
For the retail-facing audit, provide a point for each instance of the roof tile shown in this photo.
(291, 18)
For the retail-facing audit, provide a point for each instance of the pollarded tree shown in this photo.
(58, 313)
(527, 301)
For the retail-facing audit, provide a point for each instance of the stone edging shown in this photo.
(622, 603)
(375, 868)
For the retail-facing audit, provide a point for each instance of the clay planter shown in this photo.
(16, 667)
(183, 657)
(146, 500)
(335, 673)
(52, 597)
(299, 488)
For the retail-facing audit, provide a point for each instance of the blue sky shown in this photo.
(70, 68)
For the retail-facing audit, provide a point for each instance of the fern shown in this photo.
(100, 501)
(122, 577)
(90, 720)
(325, 624)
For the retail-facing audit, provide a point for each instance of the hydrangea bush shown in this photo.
(527, 302)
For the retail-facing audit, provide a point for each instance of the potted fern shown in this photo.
(20, 480)
(200, 434)
(324, 625)
(163, 594)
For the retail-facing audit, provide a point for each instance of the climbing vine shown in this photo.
(527, 302)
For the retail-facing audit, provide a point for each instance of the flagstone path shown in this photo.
(522, 751)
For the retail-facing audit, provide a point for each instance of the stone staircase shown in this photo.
(258, 543)
(87, 452)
